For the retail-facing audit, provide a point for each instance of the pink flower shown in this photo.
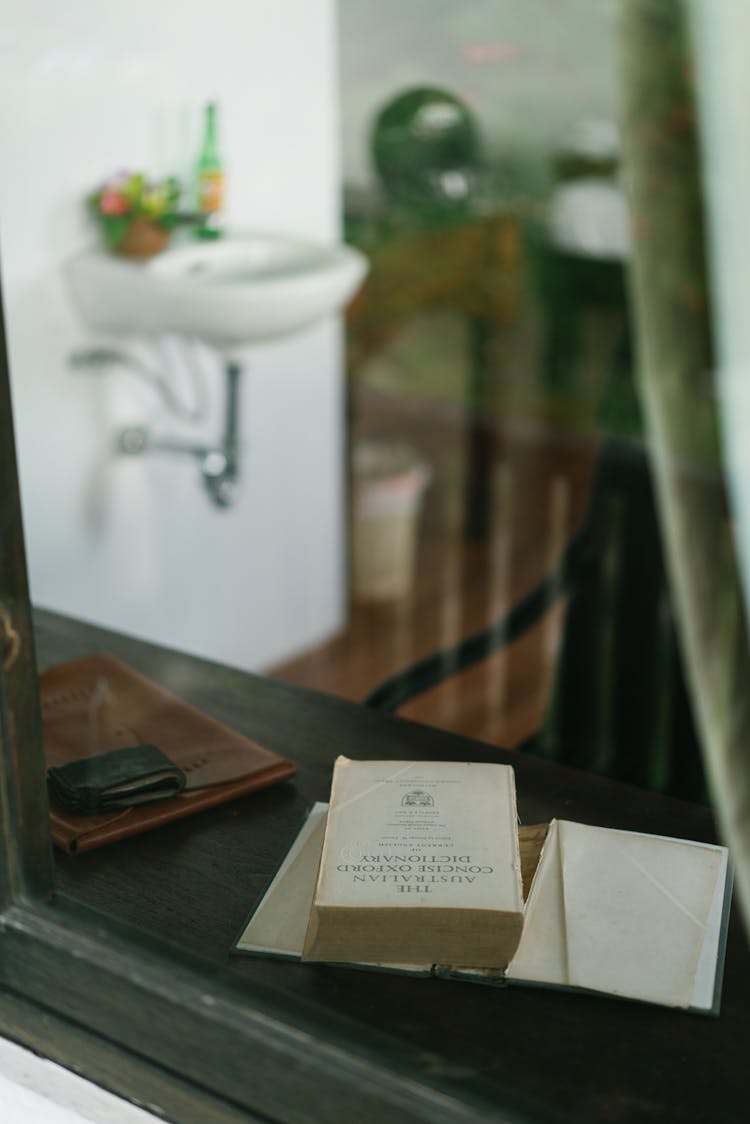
(112, 203)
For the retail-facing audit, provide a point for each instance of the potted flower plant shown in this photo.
(136, 214)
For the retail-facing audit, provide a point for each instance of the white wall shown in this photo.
(86, 89)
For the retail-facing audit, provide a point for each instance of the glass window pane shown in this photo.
(211, 464)
(324, 363)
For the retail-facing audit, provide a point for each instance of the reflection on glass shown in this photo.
(493, 343)
(501, 513)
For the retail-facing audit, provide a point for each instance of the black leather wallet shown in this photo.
(121, 778)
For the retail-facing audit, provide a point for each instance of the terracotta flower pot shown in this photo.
(144, 238)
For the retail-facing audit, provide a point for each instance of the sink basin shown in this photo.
(240, 289)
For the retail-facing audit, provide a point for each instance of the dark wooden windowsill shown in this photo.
(531, 1053)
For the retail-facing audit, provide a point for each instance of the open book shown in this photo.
(632, 915)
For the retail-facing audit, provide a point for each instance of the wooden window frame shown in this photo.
(152, 1023)
(146, 1020)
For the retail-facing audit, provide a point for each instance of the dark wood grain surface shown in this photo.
(578, 1058)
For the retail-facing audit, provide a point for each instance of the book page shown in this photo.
(542, 955)
(624, 913)
(415, 833)
(637, 908)
(704, 988)
(279, 924)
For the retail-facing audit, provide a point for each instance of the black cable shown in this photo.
(433, 669)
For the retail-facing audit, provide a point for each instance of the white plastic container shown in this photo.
(388, 487)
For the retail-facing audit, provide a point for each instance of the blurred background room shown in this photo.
(331, 503)
(489, 348)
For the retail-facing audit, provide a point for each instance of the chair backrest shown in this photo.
(620, 704)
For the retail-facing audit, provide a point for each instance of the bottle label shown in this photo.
(210, 192)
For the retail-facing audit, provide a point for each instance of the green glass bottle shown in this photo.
(209, 178)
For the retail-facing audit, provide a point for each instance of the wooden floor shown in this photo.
(539, 484)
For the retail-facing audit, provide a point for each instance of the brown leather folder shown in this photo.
(97, 704)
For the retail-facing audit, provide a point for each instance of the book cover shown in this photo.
(420, 860)
(93, 705)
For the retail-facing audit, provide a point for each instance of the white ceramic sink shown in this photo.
(240, 289)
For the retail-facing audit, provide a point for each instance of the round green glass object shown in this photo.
(426, 149)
